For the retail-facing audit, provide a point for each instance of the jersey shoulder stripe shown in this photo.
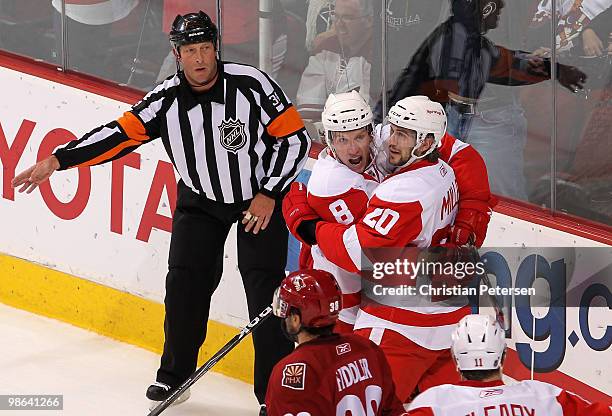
(331, 178)
(419, 185)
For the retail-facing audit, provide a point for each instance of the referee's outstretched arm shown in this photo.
(254, 137)
(100, 145)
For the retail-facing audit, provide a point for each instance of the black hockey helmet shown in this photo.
(193, 28)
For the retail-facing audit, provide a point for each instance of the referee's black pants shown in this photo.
(199, 229)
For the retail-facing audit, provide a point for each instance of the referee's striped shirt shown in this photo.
(241, 137)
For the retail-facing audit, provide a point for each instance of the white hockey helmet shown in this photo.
(345, 112)
(422, 115)
(478, 343)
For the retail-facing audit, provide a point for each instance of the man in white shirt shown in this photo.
(341, 58)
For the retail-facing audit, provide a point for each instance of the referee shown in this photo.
(237, 142)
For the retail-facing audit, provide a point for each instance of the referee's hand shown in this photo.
(258, 215)
(32, 177)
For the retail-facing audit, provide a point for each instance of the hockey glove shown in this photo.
(296, 209)
(469, 228)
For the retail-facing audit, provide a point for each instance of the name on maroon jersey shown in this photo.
(505, 409)
(450, 200)
(352, 373)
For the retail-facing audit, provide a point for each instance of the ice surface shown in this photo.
(98, 375)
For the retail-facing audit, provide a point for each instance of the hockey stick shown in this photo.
(500, 315)
(469, 254)
(195, 376)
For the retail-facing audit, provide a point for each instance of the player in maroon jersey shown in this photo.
(328, 373)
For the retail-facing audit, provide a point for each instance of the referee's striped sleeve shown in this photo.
(104, 143)
(291, 151)
(119, 137)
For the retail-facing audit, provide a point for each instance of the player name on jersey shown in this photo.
(352, 373)
(504, 409)
(451, 199)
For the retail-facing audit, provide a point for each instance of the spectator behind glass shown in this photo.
(407, 22)
(597, 36)
(318, 20)
(342, 58)
(583, 121)
(240, 31)
(453, 65)
(573, 17)
(590, 169)
(89, 23)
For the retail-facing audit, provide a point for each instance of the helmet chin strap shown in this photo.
(206, 83)
(373, 155)
(413, 156)
(289, 335)
(176, 59)
(330, 140)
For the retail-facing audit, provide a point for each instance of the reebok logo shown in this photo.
(490, 393)
(343, 348)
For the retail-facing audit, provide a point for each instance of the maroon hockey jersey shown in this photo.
(336, 375)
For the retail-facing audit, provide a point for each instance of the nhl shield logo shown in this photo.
(233, 137)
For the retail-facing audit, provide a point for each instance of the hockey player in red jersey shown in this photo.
(414, 206)
(478, 349)
(345, 176)
(327, 373)
(342, 181)
(475, 199)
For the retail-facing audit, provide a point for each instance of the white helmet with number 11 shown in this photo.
(478, 343)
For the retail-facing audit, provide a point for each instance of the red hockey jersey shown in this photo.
(413, 207)
(337, 194)
(337, 375)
